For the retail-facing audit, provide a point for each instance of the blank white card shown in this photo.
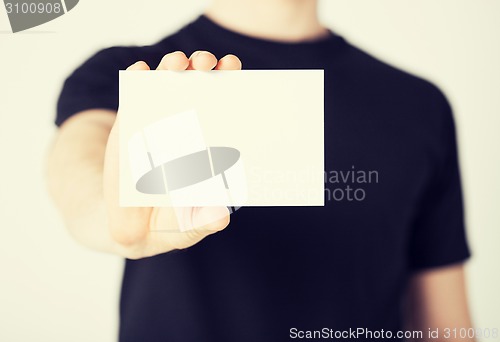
(221, 138)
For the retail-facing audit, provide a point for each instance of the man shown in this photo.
(391, 261)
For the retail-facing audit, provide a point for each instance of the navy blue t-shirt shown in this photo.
(393, 205)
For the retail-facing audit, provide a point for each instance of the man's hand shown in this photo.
(92, 177)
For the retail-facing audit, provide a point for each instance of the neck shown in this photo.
(278, 20)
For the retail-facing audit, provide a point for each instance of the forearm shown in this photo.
(438, 301)
(75, 177)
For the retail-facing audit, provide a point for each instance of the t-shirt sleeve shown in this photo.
(94, 84)
(439, 235)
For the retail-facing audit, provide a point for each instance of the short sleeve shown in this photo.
(94, 84)
(439, 234)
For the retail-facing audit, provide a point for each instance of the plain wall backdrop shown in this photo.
(52, 289)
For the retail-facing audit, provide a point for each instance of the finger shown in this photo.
(207, 221)
(210, 219)
(182, 219)
(168, 233)
(139, 66)
(202, 60)
(175, 61)
(229, 62)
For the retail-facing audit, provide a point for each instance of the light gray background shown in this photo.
(51, 289)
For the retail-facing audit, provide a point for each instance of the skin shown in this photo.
(83, 180)
(279, 20)
(83, 170)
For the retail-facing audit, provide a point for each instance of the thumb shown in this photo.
(205, 221)
(193, 224)
(210, 219)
